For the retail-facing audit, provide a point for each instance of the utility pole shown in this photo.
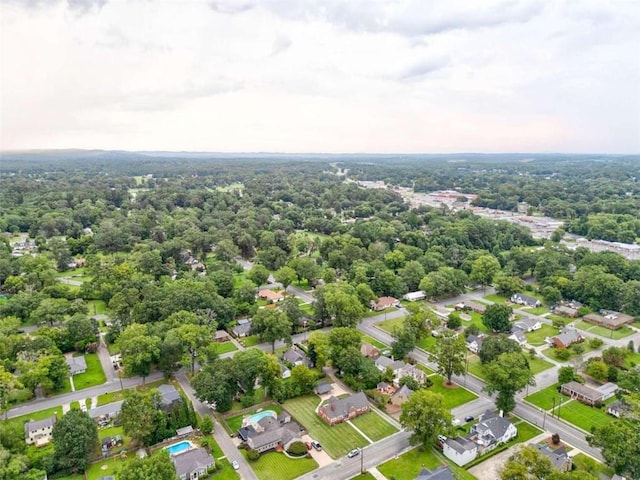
(554, 406)
(544, 417)
(362, 461)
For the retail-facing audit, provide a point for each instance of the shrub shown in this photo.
(563, 354)
(206, 426)
(598, 404)
(595, 342)
(253, 454)
(555, 438)
(297, 449)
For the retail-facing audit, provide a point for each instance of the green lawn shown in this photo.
(604, 332)
(559, 318)
(374, 426)
(474, 365)
(390, 325)
(544, 398)
(476, 319)
(364, 476)
(379, 345)
(584, 416)
(495, 298)
(39, 415)
(97, 307)
(537, 364)
(536, 338)
(453, 397)
(336, 440)
(632, 359)
(119, 394)
(537, 310)
(408, 465)
(94, 374)
(551, 352)
(587, 464)
(250, 341)
(225, 347)
(526, 431)
(428, 343)
(235, 422)
(276, 466)
(224, 470)
(374, 313)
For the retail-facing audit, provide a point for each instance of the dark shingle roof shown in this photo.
(338, 407)
(440, 473)
(191, 460)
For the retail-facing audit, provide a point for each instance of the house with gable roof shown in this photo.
(567, 337)
(39, 432)
(401, 395)
(338, 410)
(460, 450)
(526, 300)
(192, 464)
(443, 472)
(560, 460)
(528, 324)
(492, 430)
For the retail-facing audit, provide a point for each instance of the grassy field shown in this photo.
(225, 347)
(408, 465)
(453, 397)
(604, 332)
(94, 374)
(536, 338)
(537, 364)
(235, 422)
(381, 346)
(544, 398)
(276, 466)
(495, 298)
(584, 416)
(374, 426)
(390, 325)
(336, 440)
(526, 431)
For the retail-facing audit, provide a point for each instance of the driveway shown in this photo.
(490, 468)
(320, 456)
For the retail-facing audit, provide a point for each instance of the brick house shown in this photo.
(339, 410)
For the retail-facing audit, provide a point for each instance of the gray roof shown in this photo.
(496, 424)
(461, 444)
(441, 473)
(404, 390)
(242, 328)
(191, 460)
(275, 433)
(475, 338)
(526, 323)
(169, 394)
(293, 355)
(184, 430)
(34, 425)
(110, 409)
(568, 336)
(338, 407)
(386, 362)
(558, 457)
(76, 364)
(518, 334)
(323, 387)
(526, 298)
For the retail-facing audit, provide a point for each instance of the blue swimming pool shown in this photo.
(178, 447)
(256, 417)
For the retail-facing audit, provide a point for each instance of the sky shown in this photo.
(357, 76)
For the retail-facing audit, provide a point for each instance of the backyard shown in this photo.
(276, 466)
(536, 338)
(336, 440)
(94, 374)
(374, 426)
(234, 423)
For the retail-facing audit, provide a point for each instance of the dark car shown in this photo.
(468, 418)
(316, 445)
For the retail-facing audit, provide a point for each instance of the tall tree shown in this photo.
(139, 350)
(319, 349)
(508, 375)
(286, 276)
(216, 384)
(8, 383)
(496, 317)
(426, 415)
(450, 355)
(156, 467)
(75, 436)
(271, 325)
(139, 414)
(194, 338)
(484, 269)
(620, 445)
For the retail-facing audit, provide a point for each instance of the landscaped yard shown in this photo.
(374, 426)
(453, 397)
(225, 347)
(536, 338)
(428, 343)
(541, 310)
(119, 394)
(276, 466)
(97, 307)
(94, 374)
(379, 345)
(390, 325)
(495, 298)
(336, 440)
(584, 416)
(474, 366)
(544, 398)
(408, 465)
(604, 332)
(551, 352)
(588, 464)
(39, 415)
(250, 341)
(373, 313)
(526, 431)
(537, 364)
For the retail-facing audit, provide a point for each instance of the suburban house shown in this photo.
(38, 432)
(528, 324)
(609, 319)
(77, 365)
(339, 410)
(526, 300)
(460, 450)
(323, 388)
(106, 412)
(443, 472)
(270, 432)
(560, 460)
(295, 356)
(415, 296)
(567, 337)
(384, 387)
(270, 296)
(368, 350)
(169, 397)
(383, 362)
(192, 464)
(242, 328)
(401, 395)
(618, 408)
(384, 302)
(221, 336)
(492, 430)
(474, 342)
(471, 305)
(517, 334)
(412, 371)
(589, 395)
(568, 309)
(285, 372)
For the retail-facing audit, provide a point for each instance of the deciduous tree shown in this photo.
(75, 436)
(507, 375)
(426, 415)
(496, 317)
(271, 325)
(450, 355)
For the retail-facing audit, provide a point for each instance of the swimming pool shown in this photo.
(178, 448)
(256, 417)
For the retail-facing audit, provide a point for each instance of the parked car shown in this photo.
(442, 438)
(353, 453)
(308, 444)
(316, 445)
(235, 465)
(468, 418)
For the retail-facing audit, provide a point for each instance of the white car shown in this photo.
(353, 453)
(235, 465)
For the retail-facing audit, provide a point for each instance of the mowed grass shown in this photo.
(495, 298)
(537, 364)
(276, 466)
(408, 465)
(584, 416)
(336, 440)
(94, 374)
(225, 347)
(604, 332)
(536, 338)
(526, 431)
(453, 396)
(379, 345)
(544, 398)
(374, 426)
(390, 325)
(39, 415)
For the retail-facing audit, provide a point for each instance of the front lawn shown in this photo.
(537, 364)
(250, 341)
(390, 325)
(363, 476)
(474, 366)
(39, 415)
(544, 398)
(375, 313)
(526, 431)
(536, 338)
(622, 332)
(374, 426)
(97, 307)
(94, 374)
(495, 298)
(551, 352)
(541, 310)
(584, 416)
(224, 470)
(336, 440)
(408, 465)
(454, 396)
(379, 345)
(428, 343)
(225, 347)
(277, 466)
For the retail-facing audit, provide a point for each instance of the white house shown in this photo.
(528, 324)
(192, 464)
(474, 342)
(493, 429)
(38, 432)
(460, 450)
(415, 296)
(409, 370)
(284, 371)
(526, 300)
(518, 335)
(383, 362)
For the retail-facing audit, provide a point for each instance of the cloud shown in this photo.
(231, 7)
(280, 44)
(423, 68)
(81, 6)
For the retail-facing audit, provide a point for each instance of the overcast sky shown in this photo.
(321, 75)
